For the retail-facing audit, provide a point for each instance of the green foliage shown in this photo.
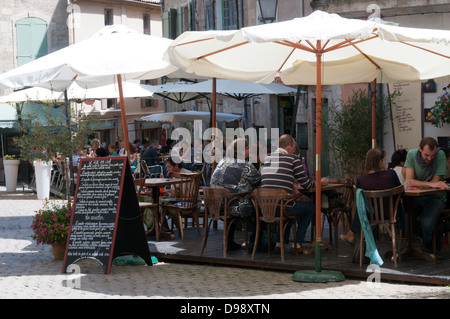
(10, 157)
(350, 131)
(59, 135)
(440, 112)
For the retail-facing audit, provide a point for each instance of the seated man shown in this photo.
(281, 170)
(151, 157)
(426, 167)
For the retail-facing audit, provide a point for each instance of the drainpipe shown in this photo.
(319, 5)
(242, 13)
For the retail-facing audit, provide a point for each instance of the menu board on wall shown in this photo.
(407, 115)
(106, 220)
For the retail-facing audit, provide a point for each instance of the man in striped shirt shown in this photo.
(282, 169)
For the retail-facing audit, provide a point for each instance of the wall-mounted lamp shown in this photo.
(268, 9)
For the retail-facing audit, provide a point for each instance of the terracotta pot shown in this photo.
(58, 251)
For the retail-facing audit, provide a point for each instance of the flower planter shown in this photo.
(58, 251)
(42, 172)
(11, 171)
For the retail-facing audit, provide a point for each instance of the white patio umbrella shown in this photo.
(178, 92)
(75, 92)
(321, 49)
(114, 52)
(33, 94)
(351, 51)
(190, 116)
(238, 90)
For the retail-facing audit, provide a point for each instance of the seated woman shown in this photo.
(377, 178)
(236, 174)
(134, 158)
(398, 160)
(174, 164)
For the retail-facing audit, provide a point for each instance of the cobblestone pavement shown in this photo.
(29, 271)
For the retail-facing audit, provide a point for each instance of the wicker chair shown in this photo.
(267, 202)
(139, 185)
(343, 212)
(379, 201)
(217, 200)
(185, 203)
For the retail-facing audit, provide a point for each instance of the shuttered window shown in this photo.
(176, 21)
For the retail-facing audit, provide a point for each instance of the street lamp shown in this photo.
(268, 9)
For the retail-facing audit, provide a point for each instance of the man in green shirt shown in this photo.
(426, 167)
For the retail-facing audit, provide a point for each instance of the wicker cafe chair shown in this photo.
(444, 217)
(267, 201)
(342, 212)
(185, 202)
(379, 201)
(217, 200)
(139, 184)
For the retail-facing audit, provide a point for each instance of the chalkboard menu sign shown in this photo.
(106, 221)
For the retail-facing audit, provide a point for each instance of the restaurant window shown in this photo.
(111, 103)
(229, 15)
(146, 23)
(176, 21)
(149, 102)
(109, 17)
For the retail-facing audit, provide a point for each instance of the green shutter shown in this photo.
(31, 39)
(165, 24)
(169, 19)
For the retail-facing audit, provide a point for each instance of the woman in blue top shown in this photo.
(133, 158)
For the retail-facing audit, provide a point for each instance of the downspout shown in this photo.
(242, 13)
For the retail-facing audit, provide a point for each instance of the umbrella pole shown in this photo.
(123, 115)
(213, 120)
(318, 163)
(374, 113)
(318, 275)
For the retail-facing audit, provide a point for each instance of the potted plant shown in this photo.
(350, 130)
(51, 226)
(440, 112)
(56, 137)
(11, 165)
(43, 170)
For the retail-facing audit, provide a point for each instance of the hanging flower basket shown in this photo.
(440, 112)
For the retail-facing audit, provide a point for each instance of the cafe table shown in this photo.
(330, 186)
(410, 194)
(156, 183)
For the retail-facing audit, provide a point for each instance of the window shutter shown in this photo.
(210, 17)
(169, 20)
(31, 40)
